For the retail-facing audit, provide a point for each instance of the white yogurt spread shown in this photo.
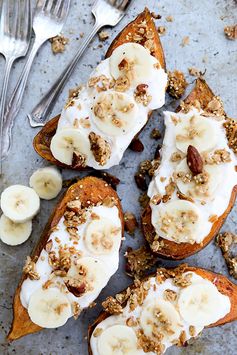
(223, 178)
(218, 305)
(82, 108)
(61, 237)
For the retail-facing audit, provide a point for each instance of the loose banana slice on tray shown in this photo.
(47, 182)
(19, 203)
(12, 233)
(164, 309)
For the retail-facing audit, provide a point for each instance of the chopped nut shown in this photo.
(103, 35)
(156, 199)
(141, 95)
(155, 134)
(140, 179)
(122, 83)
(195, 72)
(74, 206)
(139, 261)
(97, 332)
(58, 44)
(100, 148)
(183, 280)
(170, 295)
(112, 306)
(231, 32)
(130, 222)
(176, 84)
(78, 160)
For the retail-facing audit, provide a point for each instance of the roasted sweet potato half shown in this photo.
(87, 189)
(225, 286)
(171, 250)
(42, 140)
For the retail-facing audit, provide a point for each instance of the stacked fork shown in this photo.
(15, 33)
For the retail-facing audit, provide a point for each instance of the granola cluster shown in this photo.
(58, 44)
(176, 84)
(141, 95)
(100, 148)
(142, 34)
(29, 269)
(112, 306)
(226, 241)
(74, 216)
(139, 261)
(231, 32)
(230, 126)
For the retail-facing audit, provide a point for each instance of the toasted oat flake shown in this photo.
(185, 41)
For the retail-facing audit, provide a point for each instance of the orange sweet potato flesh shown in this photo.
(87, 189)
(42, 140)
(225, 286)
(172, 250)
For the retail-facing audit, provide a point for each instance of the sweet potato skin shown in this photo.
(88, 188)
(172, 250)
(42, 140)
(225, 286)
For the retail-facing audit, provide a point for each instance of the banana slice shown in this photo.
(178, 220)
(102, 237)
(118, 340)
(213, 176)
(68, 141)
(49, 308)
(198, 304)
(134, 60)
(115, 113)
(12, 233)
(47, 182)
(89, 275)
(19, 203)
(200, 132)
(159, 316)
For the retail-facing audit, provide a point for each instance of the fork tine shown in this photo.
(27, 20)
(48, 6)
(5, 17)
(57, 7)
(64, 9)
(124, 4)
(15, 21)
(40, 4)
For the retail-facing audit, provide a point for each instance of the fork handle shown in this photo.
(8, 68)
(40, 113)
(15, 101)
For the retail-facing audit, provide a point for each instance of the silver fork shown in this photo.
(15, 34)
(49, 18)
(106, 13)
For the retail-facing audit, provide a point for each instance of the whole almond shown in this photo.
(194, 160)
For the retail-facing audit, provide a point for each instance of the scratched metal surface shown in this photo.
(203, 21)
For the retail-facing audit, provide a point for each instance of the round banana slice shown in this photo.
(198, 304)
(159, 316)
(133, 60)
(118, 340)
(68, 141)
(19, 203)
(178, 221)
(200, 132)
(12, 233)
(201, 187)
(89, 275)
(115, 113)
(47, 182)
(102, 237)
(49, 308)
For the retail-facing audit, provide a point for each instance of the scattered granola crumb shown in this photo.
(58, 44)
(226, 241)
(139, 261)
(161, 30)
(103, 35)
(169, 18)
(82, 34)
(231, 32)
(195, 72)
(230, 126)
(170, 295)
(185, 41)
(155, 134)
(143, 200)
(97, 332)
(29, 269)
(130, 222)
(176, 84)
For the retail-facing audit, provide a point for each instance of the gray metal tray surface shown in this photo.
(208, 49)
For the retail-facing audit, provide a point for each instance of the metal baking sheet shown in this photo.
(208, 49)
